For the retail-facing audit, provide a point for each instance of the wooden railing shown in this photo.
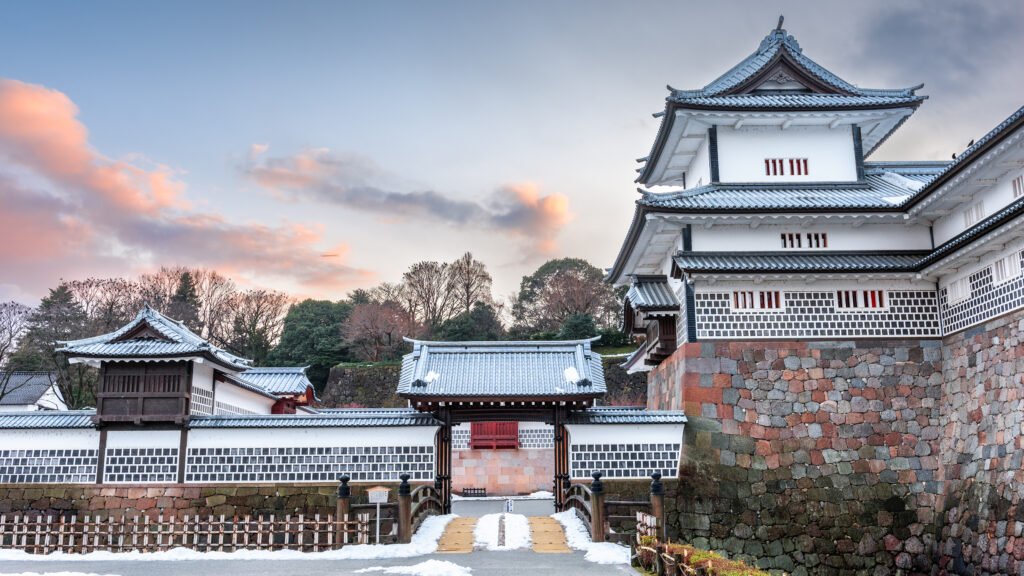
(588, 502)
(38, 534)
(425, 501)
(620, 516)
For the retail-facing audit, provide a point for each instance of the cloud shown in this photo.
(516, 210)
(69, 209)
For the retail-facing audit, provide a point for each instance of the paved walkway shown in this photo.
(546, 536)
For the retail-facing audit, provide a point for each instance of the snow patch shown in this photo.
(428, 568)
(902, 181)
(56, 574)
(572, 376)
(431, 376)
(424, 541)
(578, 538)
(517, 532)
(539, 495)
(896, 200)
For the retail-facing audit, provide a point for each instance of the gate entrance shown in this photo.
(491, 382)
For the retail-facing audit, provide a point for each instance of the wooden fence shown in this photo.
(72, 534)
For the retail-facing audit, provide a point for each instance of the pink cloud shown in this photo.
(517, 210)
(70, 209)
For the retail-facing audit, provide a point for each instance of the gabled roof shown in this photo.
(625, 415)
(886, 187)
(284, 381)
(779, 77)
(24, 388)
(151, 335)
(780, 47)
(525, 369)
(652, 294)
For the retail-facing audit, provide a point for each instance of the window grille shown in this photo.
(974, 214)
(779, 167)
(1018, 186)
(864, 299)
(958, 290)
(757, 300)
(1006, 269)
(202, 401)
(811, 240)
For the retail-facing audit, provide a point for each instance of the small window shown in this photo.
(958, 290)
(1006, 269)
(784, 166)
(1018, 186)
(862, 299)
(974, 214)
(811, 240)
(757, 300)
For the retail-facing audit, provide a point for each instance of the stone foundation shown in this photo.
(854, 457)
(503, 472)
(155, 499)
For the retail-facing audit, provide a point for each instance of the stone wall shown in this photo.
(983, 449)
(809, 457)
(503, 472)
(363, 386)
(191, 499)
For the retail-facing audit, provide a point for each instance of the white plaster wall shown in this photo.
(535, 426)
(202, 376)
(231, 394)
(994, 199)
(796, 285)
(143, 439)
(19, 408)
(829, 153)
(50, 400)
(741, 238)
(985, 262)
(314, 437)
(625, 433)
(50, 439)
(699, 172)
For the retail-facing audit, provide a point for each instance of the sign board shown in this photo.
(508, 506)
(378, 494)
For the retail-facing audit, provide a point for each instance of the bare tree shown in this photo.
(471, 283)
(258, 318)
(375, 331)
(432, 293)
(14, 319)
(109, 303)
(216, 297)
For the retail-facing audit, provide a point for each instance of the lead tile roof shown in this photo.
(47, 419)
(23, 388)
(651, 293)
(179, 341)
(343, 418)
(824, 261)
(280, 381)
(502, 369)
(625, 415)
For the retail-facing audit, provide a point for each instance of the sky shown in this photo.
(319, 147)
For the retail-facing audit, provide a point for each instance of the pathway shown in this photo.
(546, 536)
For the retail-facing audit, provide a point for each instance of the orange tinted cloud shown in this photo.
(72, 209)
(518, 210)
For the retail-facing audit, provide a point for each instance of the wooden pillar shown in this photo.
(342, 509)
(597, 508)
(182, 451)
(404, 510)
(443, 462)
(561, 458)
(658, 504)
(101, 456)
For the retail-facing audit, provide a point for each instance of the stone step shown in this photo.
(548, 536)
(457, 537)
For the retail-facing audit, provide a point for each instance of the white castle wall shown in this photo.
(625, 451)
(829, 152)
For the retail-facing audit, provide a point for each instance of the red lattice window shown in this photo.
(757, 300)
(869, 299)
(779, 167)
(494, 435)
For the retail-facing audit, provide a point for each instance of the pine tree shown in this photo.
(185, 304)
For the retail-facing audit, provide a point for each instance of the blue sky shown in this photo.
(508, 129)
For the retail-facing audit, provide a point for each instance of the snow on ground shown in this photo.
(517, 532)
(428, 568)
(578, 537)
(424, 541)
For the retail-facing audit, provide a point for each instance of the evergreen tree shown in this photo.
(59, 317)
(577, 326)
(480, 323)
(312, 337)
(184, 305)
